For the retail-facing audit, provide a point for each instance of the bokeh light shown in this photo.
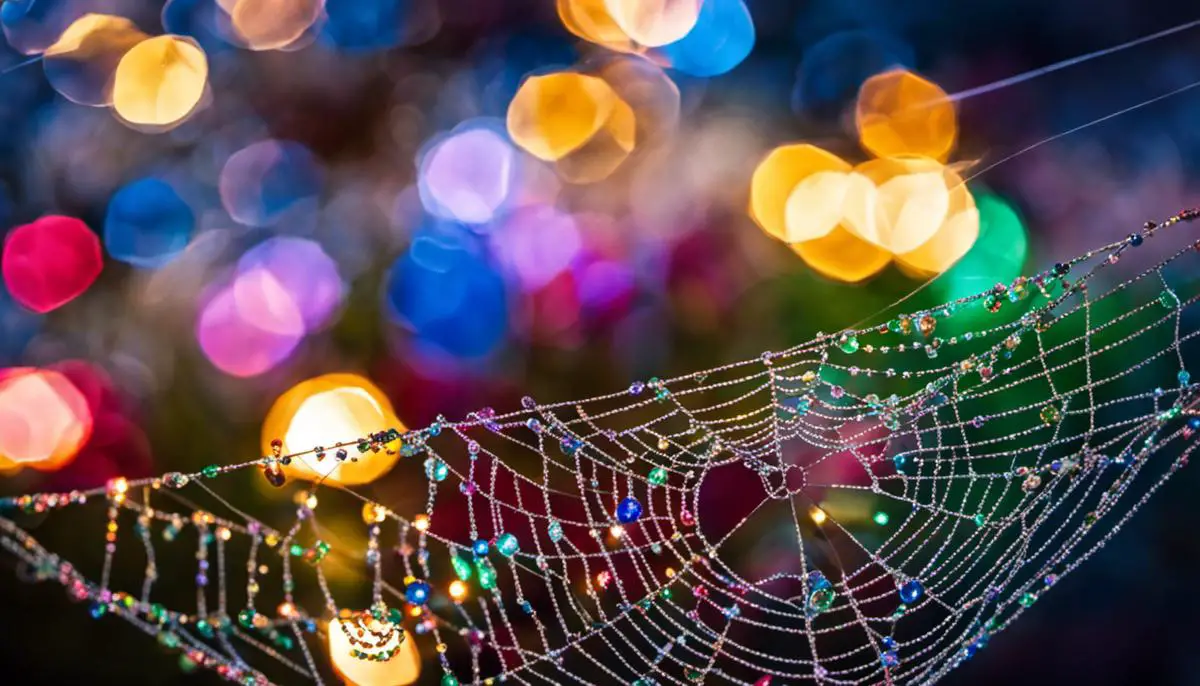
(327, 409)
(446, 292)
(273, 24)
(302, 281)
(536, 244)
(721, 39)
(468, 174)
(81, 63)
(404, 668)
(50, 262)
(900, 113)
(591, 21)
(160, 82)
(147, 223)
(268, 182)
(573, 119)
(649, 92)
(778, 175)
(654, 22)
(246, 328)
(31, 26)
(44, 419)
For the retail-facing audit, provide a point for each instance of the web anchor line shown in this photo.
(914, 486)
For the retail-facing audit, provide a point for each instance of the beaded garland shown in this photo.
(997, 460)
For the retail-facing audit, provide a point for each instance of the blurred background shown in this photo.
(210, 205)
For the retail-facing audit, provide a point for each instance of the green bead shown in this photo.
(881, 518)
(462, 568)
(665, 593)
(186, 664)
(848, 344)
(822, 599)
(486, 572)
(658, 476)
(1051, 414)
(1027, 599)
(296, 550)
(210, 472)
(507, 545)
(979, 519)
(395, 616)
(449, 680)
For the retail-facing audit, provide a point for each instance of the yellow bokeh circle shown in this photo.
(778, 175)
(900, 113)
(327, 410)
(160, 81)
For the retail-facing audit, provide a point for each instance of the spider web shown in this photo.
(922, 483)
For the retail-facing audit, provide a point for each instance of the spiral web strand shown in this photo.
(587, 544)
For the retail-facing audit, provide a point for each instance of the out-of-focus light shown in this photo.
(248, 328)
(50, 262)
(591, 21)
(364, 25)
(296, 269)
(778, 175)
(448, 294)
(843, 256)
(31, 26)
(147, 223)
(536, 243)
(818, 515)
(160, 81)
(834, 68)
(326, 410)
(421, 522)
(468, 174)
(458, 590)
(81, 63)
(997, 257)
(18, 326)
(917, 209)
(818, 204)
(273, 24)
(881, 518)
(900, 113)
(197, 19)
(269, 181)
(555, 115)
(654, 22)
(44, 419)
(404, 667)
(721, 39)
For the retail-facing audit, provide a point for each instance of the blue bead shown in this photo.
(1184, 377)
(1135, 239)
(480, 548)
(628, 511)
(1194, 423)
(417, 592)
(97, 610)
(911, 591)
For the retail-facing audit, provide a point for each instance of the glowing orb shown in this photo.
(448, 294)
(654, 22)
(778, 175)
(721, 39)
(900, 113)
(834, 68)
(81, 63)
(364, 25)
(296, 269)
(44, 419)
(248, 328)
(147, 223)
(273, 24)
(536, 244)
(31, 26)
(269, 181)
(467, 175)
(50, 262)
(326, 410)
(160, 81)
(404, 667)
(554, 115)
